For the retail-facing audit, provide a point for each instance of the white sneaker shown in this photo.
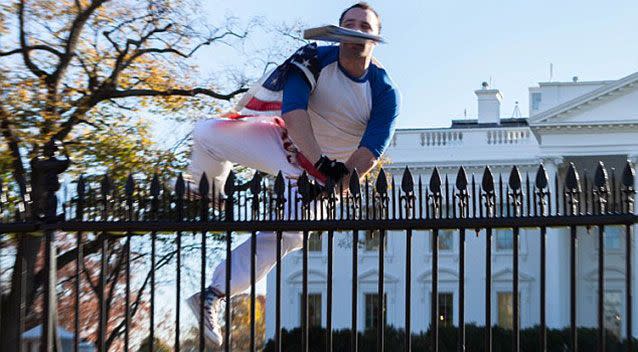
(212, 311)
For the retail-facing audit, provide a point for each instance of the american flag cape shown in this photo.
(263, 101)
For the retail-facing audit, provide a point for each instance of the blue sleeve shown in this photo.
(381, 126)
(296, 92)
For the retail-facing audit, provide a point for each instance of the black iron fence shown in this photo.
(107, 211)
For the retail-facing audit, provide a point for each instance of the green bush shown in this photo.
(159, 345)
(557, 340)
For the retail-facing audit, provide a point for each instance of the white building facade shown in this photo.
(579, 122)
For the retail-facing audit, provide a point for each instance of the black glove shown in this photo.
(333, 169)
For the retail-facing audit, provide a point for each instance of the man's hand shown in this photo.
(333, 169)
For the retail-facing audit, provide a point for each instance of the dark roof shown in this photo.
(511, 122)
(473, 123)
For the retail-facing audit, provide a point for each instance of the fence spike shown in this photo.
(587, 190)
(420, 187)
(303, 187)
(81, 191)
(81, 188)
(601, 178)
(407, 182)
(106, 185)
(355, 187)
(572, 179)
(515, 179)
(129, 188)
(628, 176)
(435, 181)
(488, 180)
(461, 179)
(528, 194)
(330, 186)
(180, 186)
(381, 185)
(255, 183)
(541, 177)
(473, 196)
(447, 198)
(155, 186)
(280, 185)
(629, 189)
(204, 186)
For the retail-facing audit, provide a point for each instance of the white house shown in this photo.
(579, 122)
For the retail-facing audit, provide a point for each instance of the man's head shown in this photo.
(361, 17)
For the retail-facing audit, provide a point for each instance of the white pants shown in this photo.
(217, 144)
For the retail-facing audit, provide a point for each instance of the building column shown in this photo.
(557, 274)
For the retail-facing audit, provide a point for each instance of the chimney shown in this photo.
(489, 104)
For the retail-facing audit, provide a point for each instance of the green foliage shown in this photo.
(557, 340)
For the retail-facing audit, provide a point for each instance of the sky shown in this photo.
(440, 52)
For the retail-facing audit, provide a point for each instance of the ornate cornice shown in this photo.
(585, 126)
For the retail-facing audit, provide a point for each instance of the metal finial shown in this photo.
(515, 179)
(381, 185)
(461, 179)
(541, 177)
(601, 178)
(572, 179)
(488, 180)
(129, 188)
(155, 186)
(407, 182)
(355, 187)
(280, 185)
(628, 176)
(204, 185)
(435, 181)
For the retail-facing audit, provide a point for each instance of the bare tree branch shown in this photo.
(31, 48)
(117, 331)
(38, 72)
(176, 92)
(71, 43)
(65, 258)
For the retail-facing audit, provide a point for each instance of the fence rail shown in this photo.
(120, 211)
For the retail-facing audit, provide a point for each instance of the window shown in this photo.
(613, 308)
(506, 309)
(372, 304)
(536, 101)
(446, 309)
(504, 240)
(446, 240)
(314, 309)
(613, 237)
(314, 241)
(373, 238)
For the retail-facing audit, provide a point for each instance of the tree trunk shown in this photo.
(26, 257)
(28, 248)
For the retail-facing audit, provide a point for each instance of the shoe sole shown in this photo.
(195, 307)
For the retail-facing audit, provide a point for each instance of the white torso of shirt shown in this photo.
(339, 110)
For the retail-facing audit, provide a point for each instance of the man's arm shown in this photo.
(301, 133)
(363, 160)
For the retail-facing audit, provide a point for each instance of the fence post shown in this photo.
(46, 171)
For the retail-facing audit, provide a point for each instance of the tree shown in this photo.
(84, 74)
(240, 327)
(158, 345)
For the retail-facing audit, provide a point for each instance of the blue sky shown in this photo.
(440, 52)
